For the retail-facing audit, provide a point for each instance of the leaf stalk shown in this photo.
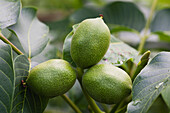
(4, 39)
(67, 99)
(91, 102)
(147, 26)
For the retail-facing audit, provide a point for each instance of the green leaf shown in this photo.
(118, 28)
(159, 106)
(166, 95)
(149, 83)
(67, 46)
(142, 63)
(161, 21)
(66, 49)
(14, 97)
(9, 12)
(160, 24)
(163, 46)
(64, 5)
(6, 79)
(32, 34)
(163, 3)
(163, 36)
(124, 14)
(119, 52)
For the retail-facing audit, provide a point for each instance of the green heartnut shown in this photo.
(90, 42)
(107, 84)
(51, 78)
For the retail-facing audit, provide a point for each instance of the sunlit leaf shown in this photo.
(32, 34)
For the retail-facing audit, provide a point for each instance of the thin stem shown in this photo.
(105, 108)
(145, 35)
(133, 69)
(75, 108)
(114, 108)
(91, 102)
(80, 73)
(4, 39)
(147, 26)
(125, 67)
(121, 104)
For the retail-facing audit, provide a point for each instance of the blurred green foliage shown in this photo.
(54, 4)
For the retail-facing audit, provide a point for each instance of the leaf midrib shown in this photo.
(28, 38)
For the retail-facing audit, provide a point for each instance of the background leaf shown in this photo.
(32, 34)
(84, 13)
(161, 26)
(14, 97)
(115, 14)
(119, 28)
(119, 52)
(161, 21)
(163, 36)
(149, 83)
(59, 29)
(9, 12)
(125, 14)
